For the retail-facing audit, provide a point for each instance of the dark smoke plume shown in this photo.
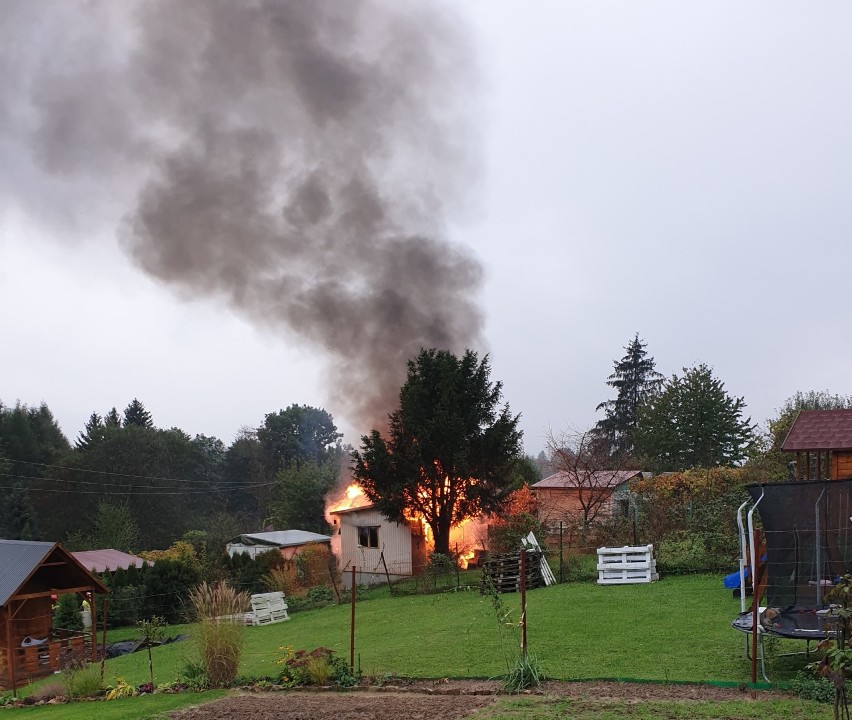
(299, 158)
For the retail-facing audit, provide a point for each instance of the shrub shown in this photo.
(125, 605)
(316, 563)
(80, 679)
(194, 674)
(67, 613)
(321, 666)
(809, 687)
(220, 630)
(121, 689)
(580, 568)
(320, 594)
(167, 582)
(282, 579)
(683, 552)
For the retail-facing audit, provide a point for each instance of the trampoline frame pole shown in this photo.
(818, 548)
(743, 545)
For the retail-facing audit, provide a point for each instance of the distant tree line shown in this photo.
(128, 484)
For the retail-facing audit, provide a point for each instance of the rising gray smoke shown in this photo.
(299, 158)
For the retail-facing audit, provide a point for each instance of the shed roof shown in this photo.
(107, 559)
(357, 508)
(820, 430)
(280, 538)
(591, 479)
(20, 559)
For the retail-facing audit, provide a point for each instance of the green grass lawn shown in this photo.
(136, 708)
(677, 629)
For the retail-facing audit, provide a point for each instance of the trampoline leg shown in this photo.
(762, 657)
(760, 653)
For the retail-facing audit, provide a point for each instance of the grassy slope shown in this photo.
(675, 629)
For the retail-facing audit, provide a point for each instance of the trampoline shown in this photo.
(806, 527)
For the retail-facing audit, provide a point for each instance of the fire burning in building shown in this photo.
(467, 538)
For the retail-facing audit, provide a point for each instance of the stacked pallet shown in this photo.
(503, 572)
(627, 565)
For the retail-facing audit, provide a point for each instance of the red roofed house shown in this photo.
(822, 441)
(582, 495)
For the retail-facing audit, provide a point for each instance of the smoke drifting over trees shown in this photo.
(299, 160)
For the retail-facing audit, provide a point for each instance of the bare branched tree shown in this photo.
(585, 483)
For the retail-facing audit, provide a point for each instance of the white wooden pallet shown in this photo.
(626, 565)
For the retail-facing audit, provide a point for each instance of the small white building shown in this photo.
(287, 542)
(377, 548)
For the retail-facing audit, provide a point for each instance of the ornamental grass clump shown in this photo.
(80, 678)
(219, 611)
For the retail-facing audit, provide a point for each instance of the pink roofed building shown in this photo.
(582, 495)
(108, 560)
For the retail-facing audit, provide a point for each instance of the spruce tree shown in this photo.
(93, 431)
(112, 419)
(136, 415)
(17, 517)
(636, 380)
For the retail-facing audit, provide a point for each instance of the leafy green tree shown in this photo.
(147, 469)
(300, 495)
(693, 423)
(115, 527)
(450, 450)
(635, 380)
(243, 472)
(136, 415)
(298, 434)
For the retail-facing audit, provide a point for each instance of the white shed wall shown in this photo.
(394, 542)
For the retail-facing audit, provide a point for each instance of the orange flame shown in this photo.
(353, 497)
(465, 537)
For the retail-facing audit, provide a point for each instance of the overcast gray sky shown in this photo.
(683, 170)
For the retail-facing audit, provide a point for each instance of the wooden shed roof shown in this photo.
(40, 568)
(815, 430)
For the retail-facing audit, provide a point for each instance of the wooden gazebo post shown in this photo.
(10, 654)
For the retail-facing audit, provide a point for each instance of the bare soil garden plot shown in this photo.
(437, 700)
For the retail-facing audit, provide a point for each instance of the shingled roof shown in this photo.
(815, 430)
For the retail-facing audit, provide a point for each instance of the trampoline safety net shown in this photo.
(807, 528)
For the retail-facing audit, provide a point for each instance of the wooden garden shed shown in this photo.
(32, 574)
(822, 441)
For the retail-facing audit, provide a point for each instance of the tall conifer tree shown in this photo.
(636, 380)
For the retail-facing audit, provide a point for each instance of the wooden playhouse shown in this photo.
(32, 574)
